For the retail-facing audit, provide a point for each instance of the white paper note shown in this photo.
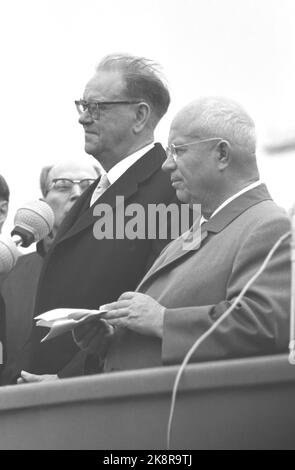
(59, 322)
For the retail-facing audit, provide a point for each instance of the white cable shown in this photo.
(292, 316)
(212, 328)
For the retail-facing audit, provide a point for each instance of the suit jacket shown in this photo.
(197, 286)
(83, 272)
(19, 290)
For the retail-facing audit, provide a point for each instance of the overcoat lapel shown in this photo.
(176, 250)
(172, 253)
(125, 187)
(81, 216)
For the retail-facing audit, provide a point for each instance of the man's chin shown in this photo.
(89, 149)
(91, 144)
(183, 196)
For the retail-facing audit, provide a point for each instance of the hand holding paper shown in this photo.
(93, 336)
(62, 320)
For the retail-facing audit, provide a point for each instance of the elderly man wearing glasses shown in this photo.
(211, 159)
(121, 106)
(61, 185)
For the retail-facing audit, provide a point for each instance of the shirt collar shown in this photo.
(122, 166)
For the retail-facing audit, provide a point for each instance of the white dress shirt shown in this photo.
(121, 167)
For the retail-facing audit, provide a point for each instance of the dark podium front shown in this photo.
(237, 404)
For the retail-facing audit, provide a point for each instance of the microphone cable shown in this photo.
(207, 333)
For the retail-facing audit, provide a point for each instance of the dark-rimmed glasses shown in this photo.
(171, 150)
(66, 184)
(94, 107)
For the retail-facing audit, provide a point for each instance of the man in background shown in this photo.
(121, 107)
(61, 185)
(4, 201)
(211, 160)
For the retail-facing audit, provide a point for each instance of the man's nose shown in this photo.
(85, 118)
(169, 164)
(76, 191)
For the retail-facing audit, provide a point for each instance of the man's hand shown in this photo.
(26, 378)
(137, 312)
(93, 335)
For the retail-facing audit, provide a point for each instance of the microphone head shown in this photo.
(8, 254)
(33, 221)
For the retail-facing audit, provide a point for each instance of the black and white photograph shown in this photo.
(147, 227)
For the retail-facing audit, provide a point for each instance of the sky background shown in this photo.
(242, 49)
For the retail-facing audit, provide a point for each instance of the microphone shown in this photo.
(8, 254)
(32, 222)
(292, 312)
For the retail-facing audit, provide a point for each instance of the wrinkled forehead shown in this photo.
(72, 171)
(105, 85)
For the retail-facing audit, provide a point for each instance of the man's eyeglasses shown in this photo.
(171, 150)
(94, 107)
(66, 184)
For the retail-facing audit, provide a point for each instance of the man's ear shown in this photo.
(3, 211)
(223, 154)
(143, 112)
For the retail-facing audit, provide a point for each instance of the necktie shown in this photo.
(100, 189)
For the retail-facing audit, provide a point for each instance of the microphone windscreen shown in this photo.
(8, 254)
(36, 217)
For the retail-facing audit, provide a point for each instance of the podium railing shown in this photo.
(235, 404)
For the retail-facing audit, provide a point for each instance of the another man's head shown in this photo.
(63, 183)
(4, 201)
(134, 98)
(211, 152)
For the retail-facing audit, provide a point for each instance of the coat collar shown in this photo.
(81, 215)
(236, 207)
(175, 250)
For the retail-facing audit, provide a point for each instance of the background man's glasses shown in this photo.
(94, 107)
(66, 184)
(171, 150)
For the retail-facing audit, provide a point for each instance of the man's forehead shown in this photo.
(185, 126)
(104, 85)
(72, 170)
(181, 132)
